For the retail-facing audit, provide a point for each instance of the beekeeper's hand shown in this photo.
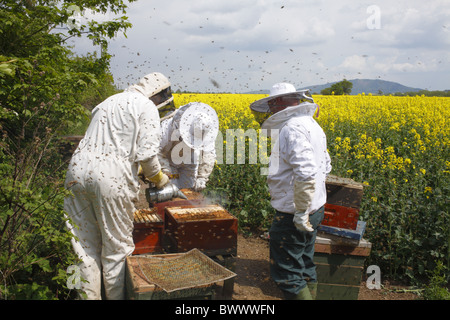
(301, 221)
(303, 195)
(159, 180)
(151, 171)
(199, 184)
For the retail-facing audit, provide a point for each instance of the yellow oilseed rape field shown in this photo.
(397, 146)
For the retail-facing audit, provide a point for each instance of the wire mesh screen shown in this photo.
(187, 270)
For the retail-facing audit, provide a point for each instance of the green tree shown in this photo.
(42, 88)
(326, 91)
(338, 88)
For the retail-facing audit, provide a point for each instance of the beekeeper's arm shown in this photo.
(301, 158)
(148, 145)
(169, 137)
(205, 169)
(328, 166)
(165, 163)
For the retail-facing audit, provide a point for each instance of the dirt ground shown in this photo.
(253, 280)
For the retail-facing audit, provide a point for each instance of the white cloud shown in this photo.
(244, 26)
(354, 63)
(254, 43)
(407, 24)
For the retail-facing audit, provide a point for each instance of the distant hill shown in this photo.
(360, 86)
(368, 86)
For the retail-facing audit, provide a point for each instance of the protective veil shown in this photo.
(187, 149)
(102, 176)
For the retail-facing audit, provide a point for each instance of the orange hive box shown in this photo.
(148, 230)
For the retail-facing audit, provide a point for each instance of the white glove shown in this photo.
(301, 221)
(206, 165)
(303, 195)
(199, 184)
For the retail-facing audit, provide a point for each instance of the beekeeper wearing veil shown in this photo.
(124, 133)
(187, 149)
(296, 185)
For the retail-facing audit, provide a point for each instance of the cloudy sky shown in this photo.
(246, 45)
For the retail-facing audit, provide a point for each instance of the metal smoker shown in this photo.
(168, 192)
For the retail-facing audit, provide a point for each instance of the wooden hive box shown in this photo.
(344, 192)
(344, 198)
(209, 228)
(148, 231)
(339, 265)
(139, 288)
(148, 234)
(340, 217)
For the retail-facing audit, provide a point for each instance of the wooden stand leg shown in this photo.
(228, 285)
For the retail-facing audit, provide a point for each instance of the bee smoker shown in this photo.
(168, 192)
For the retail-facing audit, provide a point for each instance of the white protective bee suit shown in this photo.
(298, 167)
(297, 157)
(187, 149)
(299, 164)
(102, 175)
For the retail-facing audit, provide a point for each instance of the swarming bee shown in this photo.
(398, 146)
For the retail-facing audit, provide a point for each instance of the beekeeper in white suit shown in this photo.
(187, 149)
(298, 167)
(102, 175)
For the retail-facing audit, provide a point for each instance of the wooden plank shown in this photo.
(346, 233)
(333, 240)
(328, 243)
(337, 249)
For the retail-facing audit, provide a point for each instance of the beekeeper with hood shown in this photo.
(102, 176)
(298, 167)
(187, 149)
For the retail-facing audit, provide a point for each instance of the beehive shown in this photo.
(209, 228)
(344, 192)
(340, 217)
(344, 198)
(148, 231)
(339, 266)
